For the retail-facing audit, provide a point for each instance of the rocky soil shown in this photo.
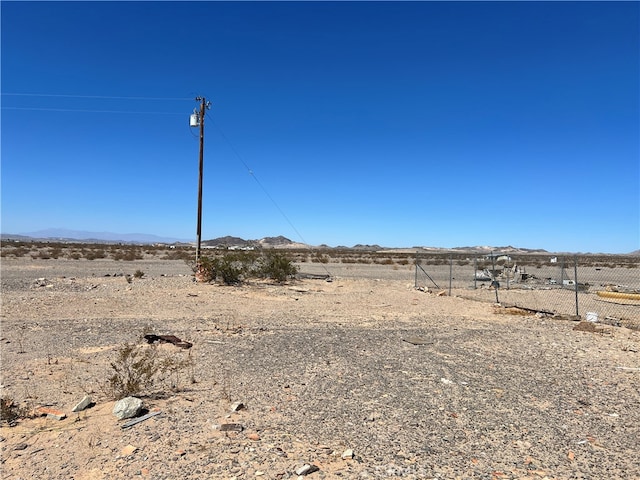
(359, 377)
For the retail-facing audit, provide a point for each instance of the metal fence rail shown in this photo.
(565, 285)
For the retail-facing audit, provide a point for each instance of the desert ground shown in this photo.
(362, 376)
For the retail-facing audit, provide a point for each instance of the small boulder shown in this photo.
(306, 469)
(83, 404)
(347, 454)
(128, 407)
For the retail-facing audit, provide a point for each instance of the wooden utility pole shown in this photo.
(203, 106)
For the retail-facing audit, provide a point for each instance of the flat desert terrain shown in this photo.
(359, 377)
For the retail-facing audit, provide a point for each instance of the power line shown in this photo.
(262, 187)
(93, 96)
(88, 111)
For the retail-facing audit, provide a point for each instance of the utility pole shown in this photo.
(200, 122)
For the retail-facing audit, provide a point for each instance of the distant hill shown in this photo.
(266, 242)
(65, 235)
(228, 241)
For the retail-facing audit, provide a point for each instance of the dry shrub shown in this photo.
(139, 367)
(134, 367)
(10, 411)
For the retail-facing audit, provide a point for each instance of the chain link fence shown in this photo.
(597, 288)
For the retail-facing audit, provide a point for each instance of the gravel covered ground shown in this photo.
(416, 385)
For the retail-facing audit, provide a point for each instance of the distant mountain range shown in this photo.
(65, 235)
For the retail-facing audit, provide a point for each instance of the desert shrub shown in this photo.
(21, 251)
(134, 369)
(320, 258)
(139, 367)
(384, 261)
(43, 255)
(276, 266)
(179, 254)
(95, 254)
(127, 254)
(231, 267)
(173, 370)
(138, 274)
(10, 411)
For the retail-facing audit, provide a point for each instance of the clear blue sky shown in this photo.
(400, 124)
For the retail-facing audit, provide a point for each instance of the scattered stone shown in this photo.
(128, 407)
(83, 404)
(237, 406)
(51, 413)
(253, 436)
(278, 451)
(347, 454)
(128, 450)
(21, 446)
(446, 381)
(231, 427)
(306, 469)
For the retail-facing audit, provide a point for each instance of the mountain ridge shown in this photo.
(61, 234)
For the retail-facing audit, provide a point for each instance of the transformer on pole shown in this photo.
(197, 120)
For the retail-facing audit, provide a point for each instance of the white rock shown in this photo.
(84, 403)
(306, 469)
(127, 407)
(347, 454)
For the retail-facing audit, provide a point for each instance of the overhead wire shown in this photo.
(84, 110)
(112, 97)
(89, 110)
(262, 187)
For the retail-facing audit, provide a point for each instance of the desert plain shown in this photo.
(355, 376)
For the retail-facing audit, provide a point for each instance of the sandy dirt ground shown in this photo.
(359, 377)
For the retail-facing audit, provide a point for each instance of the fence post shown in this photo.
(475, 272)
(450, 271)
(575, 275)
(415, 283)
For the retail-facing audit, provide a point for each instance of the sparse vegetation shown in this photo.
(134, 369)
(10, 411)
(233, 267)
(276, 266)
(138, 367)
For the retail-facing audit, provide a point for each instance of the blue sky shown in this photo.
(400, 124)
